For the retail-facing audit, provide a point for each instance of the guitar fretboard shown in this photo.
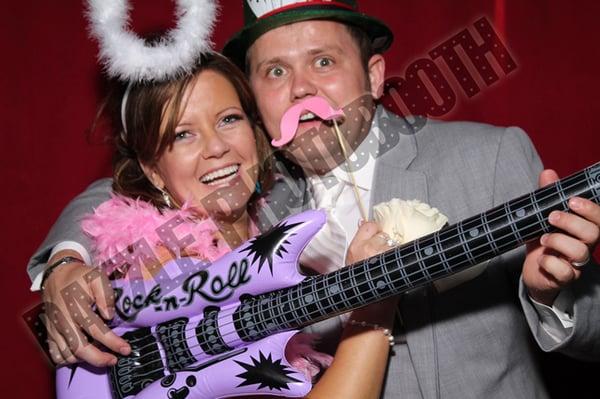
(448, 251)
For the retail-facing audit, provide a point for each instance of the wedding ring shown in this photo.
(390, 242)
(581, 264)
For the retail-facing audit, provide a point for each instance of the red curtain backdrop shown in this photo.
(51, 86)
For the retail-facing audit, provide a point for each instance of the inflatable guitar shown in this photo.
(200, 331)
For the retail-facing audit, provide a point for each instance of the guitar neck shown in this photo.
(420, 262)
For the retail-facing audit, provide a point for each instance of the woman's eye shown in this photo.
(324, 62)
(182, 135)
(232, 118)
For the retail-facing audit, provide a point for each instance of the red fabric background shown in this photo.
(51, 85)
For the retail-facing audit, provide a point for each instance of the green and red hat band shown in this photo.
(308, 3)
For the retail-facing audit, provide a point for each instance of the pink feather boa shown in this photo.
(120, 222)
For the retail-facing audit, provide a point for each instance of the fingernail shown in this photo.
(360, 222)
(554, 216)
(124, 350)
(575, 203)
(112, 361)
(544, 239)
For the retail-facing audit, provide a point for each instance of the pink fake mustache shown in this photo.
(291, 119)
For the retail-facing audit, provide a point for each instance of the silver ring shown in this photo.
(390, 242)
(581, 264)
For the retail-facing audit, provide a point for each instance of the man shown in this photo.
(464, 338)
(474, 326)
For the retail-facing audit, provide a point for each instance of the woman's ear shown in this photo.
(153, 175)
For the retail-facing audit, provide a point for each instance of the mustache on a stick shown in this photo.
(291, 118)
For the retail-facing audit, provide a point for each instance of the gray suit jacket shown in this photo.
(471, 341)
(67, 227)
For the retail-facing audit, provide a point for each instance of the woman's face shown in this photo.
(212, 163)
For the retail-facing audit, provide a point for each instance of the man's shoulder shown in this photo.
(103, 183)
(449, 135)
(470, 139)
(104, 186)
(460, 132)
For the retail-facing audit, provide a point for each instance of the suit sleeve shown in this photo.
(67, 227)
(517, 169)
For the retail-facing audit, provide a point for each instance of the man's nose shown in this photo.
(302, 86)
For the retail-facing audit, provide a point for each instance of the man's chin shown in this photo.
(315, 153)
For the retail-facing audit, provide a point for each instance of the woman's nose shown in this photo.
(214, 146)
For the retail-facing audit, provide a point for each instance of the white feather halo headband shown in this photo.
(127, 57)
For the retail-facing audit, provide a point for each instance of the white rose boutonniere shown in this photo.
(405, 221)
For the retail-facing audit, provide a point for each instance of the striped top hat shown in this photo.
(260, 16)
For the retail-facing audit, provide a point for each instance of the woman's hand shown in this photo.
(368, 241)
(69, 292)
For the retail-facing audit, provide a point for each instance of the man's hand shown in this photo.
(69, 293)
(549, 262)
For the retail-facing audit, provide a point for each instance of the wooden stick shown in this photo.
(350, 172)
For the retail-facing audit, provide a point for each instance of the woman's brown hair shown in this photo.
(151, 106)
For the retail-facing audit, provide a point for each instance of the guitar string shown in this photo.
(417, 281)
(353, 289)
(347, 299)
(394, 252)
(455, 227)
(374, 299)
(143, 367)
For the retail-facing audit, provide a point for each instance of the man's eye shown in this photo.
(275, 72)
(324, 62)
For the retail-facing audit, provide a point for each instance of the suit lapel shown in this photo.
(394, 179)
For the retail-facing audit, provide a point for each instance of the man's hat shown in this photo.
(260, 16)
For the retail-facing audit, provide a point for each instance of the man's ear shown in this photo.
(376, 71)
(153, 175)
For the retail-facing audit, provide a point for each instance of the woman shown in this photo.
(195, 143)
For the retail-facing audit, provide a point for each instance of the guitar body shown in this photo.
(189, 330)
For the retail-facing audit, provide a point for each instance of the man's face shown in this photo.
(313, 58)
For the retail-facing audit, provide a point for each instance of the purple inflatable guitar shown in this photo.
(200, 331)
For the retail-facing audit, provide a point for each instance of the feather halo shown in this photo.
(129, 58)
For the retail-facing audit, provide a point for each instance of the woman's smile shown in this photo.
(221, 176)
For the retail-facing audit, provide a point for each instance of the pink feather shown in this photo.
(301, 355)
(120, 222)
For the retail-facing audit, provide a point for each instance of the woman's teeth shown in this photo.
(220, 176)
